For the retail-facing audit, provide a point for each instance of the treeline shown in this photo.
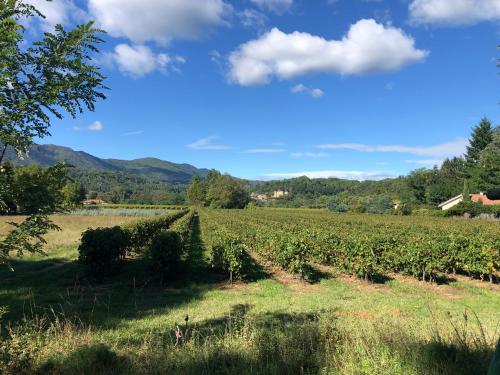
(477, 170)
(121, 187)
(218, 191)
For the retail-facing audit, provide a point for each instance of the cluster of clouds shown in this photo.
(368, 46)
(302, 89)
(435, 155)
(441, 150)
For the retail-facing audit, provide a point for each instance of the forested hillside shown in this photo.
(49, 155)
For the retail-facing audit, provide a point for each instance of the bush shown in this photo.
(165, 251)
(228, 253)
(471, 208)
(336, 206)
(101, 247)
(142, 232)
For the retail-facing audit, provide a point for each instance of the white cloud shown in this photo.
(264, 150)
(367, 47)
(139, 60)
(158, 20)
(57, 12)
(96, 126)
(428, 162)
(302, 89)
(309, 154)
(349, 175)
(456, 12)
(275, 6)
(446, 149)
(252, 18)
(208, 144)
(135, 132)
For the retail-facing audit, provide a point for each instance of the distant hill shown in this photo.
(48, 155)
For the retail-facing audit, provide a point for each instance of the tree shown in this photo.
(39, 190)
(482, 136)
(418, 181)
(489, 164)
(223, 191)
(73, 194)
(39, 81)
(466, 191)
(196, 193)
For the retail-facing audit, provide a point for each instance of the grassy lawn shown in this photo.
(270, 323)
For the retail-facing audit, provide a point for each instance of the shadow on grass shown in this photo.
(129, 292)
(280, 343)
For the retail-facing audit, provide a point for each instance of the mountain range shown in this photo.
(165, 171)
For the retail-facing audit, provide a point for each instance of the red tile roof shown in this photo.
(482, 198)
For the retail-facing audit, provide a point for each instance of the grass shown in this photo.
(63, 322)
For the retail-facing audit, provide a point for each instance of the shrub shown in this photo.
(336, 206)
(165, 251)
(101, 247)
(142, 232)
(228, 253)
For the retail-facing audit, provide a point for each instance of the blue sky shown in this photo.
(280, 88)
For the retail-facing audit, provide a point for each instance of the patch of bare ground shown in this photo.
(445, 290)
(364, 286)
(495, 287)
(353, 281)
(292, 282)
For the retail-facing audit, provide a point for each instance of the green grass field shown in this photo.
(61, 321)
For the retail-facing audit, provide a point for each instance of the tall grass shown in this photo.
(243, 343)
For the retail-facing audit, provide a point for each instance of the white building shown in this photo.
(451, 202)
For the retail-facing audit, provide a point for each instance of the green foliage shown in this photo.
(471, 208)
(73, 194)
(26, 237)
(378, 204)
(482, 136)
(336, 205)
(37, 81)
(196, 192)
(489, 164)
(184, 227)
(227, 251)
(39, 190)
(142, 232)
(363, 245)
(165, 251)
(466, 191)
(101, 247)
(218, 191)
(127, 187)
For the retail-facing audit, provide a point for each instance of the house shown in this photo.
(279, 193)
(451, 202)
(93, 202)
(259, 197)
(482, 198)
(477, 198)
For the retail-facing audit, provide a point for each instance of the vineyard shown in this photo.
(256, 291)
(368, 246)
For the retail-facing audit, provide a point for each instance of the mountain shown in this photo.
(48, 155)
